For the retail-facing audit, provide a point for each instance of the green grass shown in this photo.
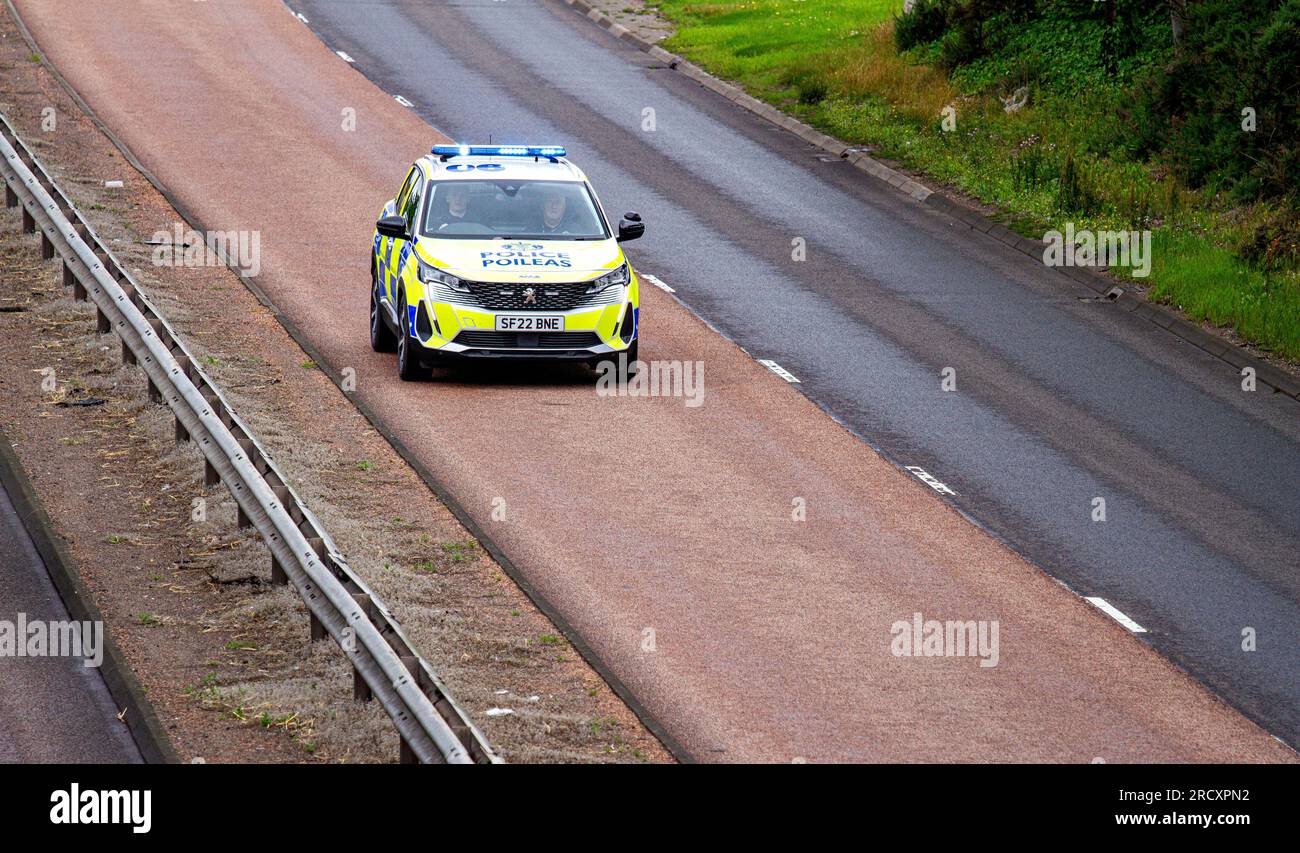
(756, 40)
(1210, 282)
(834, 65)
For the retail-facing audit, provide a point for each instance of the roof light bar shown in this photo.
(550, 152)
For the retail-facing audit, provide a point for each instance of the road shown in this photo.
(648, 518)
(52, 709)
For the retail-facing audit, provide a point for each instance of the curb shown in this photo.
(141, 720)
(1166, 318)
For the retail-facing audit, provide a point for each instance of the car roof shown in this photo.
(503, 168)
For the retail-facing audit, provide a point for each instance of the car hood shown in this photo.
(521, 260)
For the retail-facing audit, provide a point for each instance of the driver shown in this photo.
(553, 205)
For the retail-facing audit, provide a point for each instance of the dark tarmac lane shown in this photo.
(52, 709)
(1059, 400)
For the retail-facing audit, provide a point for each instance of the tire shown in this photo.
(615, 358)
(382, 338)
(409, 368)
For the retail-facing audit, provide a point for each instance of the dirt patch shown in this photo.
(222, 654)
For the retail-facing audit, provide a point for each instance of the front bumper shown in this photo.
(450, 333)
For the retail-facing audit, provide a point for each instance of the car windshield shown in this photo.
(553, 210)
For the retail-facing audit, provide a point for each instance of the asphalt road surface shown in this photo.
(662, 533)
(52, 709)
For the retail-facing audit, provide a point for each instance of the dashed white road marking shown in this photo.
(777, 369)
(1109, 609)
(402, 101)
(343, 56)
(930, 480)
(657, 282)
(300, 16)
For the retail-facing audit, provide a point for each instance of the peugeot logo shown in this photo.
(530, 296)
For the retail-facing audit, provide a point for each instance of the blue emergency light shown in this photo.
(550, 152)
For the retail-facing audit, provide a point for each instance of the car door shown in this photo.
(409, 208)
(387, 248)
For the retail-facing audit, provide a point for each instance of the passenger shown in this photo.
(458, 207)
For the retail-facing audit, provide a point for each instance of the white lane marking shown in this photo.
(300, 16)
(402, 101)
(930, 480)
(343, 56)
(657, 282)
(1109, 609)
(777, 369)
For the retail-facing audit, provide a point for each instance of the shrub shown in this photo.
(1235, 54)
(923, 24)
(1275, 242)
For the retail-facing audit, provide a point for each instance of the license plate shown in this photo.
(529, 324)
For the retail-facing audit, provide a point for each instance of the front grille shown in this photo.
(528, 340)
(548, 297)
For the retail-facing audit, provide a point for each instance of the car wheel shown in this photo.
(382, 338)
(631, 356)
(408, 361)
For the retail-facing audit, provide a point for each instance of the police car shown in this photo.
(500, 252)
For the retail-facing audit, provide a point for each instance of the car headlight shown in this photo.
(433, 275)
(619, 277)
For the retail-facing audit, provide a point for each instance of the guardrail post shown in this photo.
(279, 577)
(29, 224)
(210, 475)
(182, 434)
(360, 690)
(102, 324)
(11, 197)
(68, 278)
(318, 632)
(79, 290)
(155, 396)
(242, 519)
(47, 247)
(128, 357)
(406, 755)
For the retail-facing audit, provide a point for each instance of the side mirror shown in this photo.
(630, 227)
(393, 226)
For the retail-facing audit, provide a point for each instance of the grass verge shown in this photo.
(1060, 153)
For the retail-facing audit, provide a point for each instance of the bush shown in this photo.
(960, 46)
(924, 24)
(1275, 243)
(1234, 55)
